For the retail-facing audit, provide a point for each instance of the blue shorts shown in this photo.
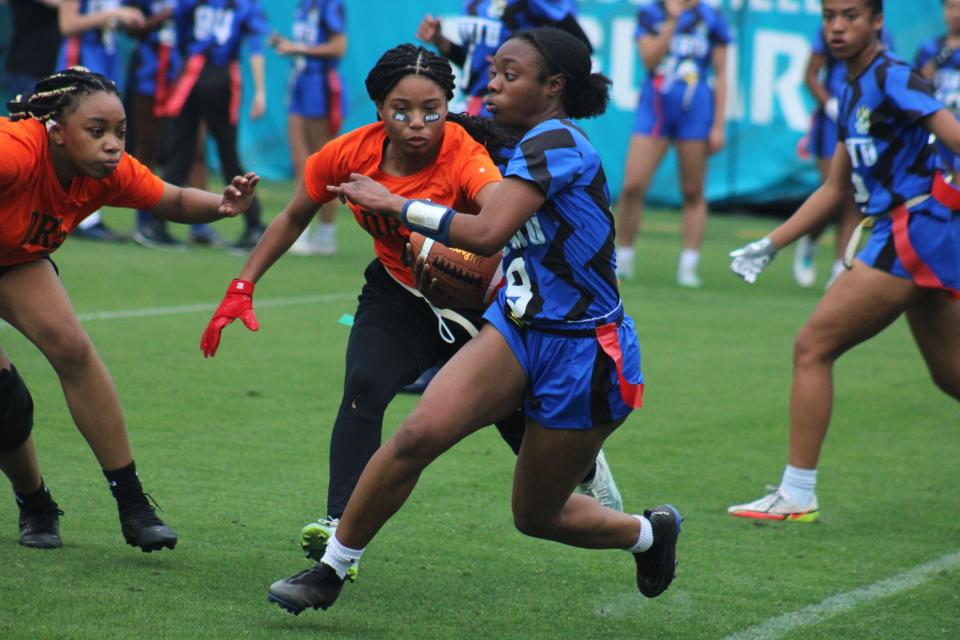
(823, 136)
(308, 95)
(679, 114)
(571, 381)
(922, 245)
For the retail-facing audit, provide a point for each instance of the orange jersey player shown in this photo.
(62, 158)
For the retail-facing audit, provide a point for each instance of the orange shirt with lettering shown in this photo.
(36, 213)
(462, 168)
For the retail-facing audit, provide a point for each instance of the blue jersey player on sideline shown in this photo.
(938, 60)
(679, 41)
(487, 24)
(316, 101)
(911, 265)
(825, 78)
(557, 340)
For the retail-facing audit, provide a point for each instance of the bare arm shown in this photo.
(717, 135)
(511, 203)
(812, 78)
(929, 69)
(73, 23)
(334, 48)
(821, 205)
(259, 104)
(943, 125)
(187, 205)
(152, 23)
(282, 232)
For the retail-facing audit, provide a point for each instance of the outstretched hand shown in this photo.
(238, 196)
(749, 261)
(369, 194)
(237, 303)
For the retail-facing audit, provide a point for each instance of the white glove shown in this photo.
(750, 260)
(831, 108)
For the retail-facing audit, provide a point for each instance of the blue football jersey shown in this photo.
(217, 28)
(699, 30)
(95, 49)
(890, 151)
(314, 23)
(946, 75)
(148, 59)
(487, 24)
(559, 266)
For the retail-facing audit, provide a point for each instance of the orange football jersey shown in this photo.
(461, 169)
(37, 213)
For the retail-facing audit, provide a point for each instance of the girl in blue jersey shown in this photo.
(484, 26)
(938, 60)
(210, 35)
(911, 264)
(679, 41)
(558, 339)
(89, 29)
(825, 78)
(316, 100)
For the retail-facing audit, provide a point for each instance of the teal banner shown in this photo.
(768, 108)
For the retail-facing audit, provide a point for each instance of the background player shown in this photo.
(316, 101)
(61, 158)
(938, 60)
(679, 41)
(911, 264)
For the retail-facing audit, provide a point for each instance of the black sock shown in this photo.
(125, 486)
(39, 500)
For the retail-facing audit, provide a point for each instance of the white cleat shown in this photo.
(776, 506)
(603, 488)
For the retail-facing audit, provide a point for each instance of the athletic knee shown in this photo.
(808, 349)
(634, 187)
(692, 193)
(67, 349)
(16, 411)
(418, 439)
(532, 523)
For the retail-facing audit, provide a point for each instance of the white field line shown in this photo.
(843, 602)
(150, 312)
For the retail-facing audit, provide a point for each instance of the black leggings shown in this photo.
(394, 339)
(209, 100)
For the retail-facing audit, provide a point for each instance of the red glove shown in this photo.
(238, 303)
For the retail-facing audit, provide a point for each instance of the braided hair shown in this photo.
(406, 60)
(59, 93)
(586, 94)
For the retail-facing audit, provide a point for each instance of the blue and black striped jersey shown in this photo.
(560, 265)
(890, 151)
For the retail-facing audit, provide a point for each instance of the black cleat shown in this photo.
(316, 587)
(41, 529)
(141, 527)
(656, 566)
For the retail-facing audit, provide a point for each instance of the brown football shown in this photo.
(470, 280)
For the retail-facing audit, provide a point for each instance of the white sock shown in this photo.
(645, 541)
(625, 261)
(799, 484)
(339, 557)
(689, 259)
(91, 220)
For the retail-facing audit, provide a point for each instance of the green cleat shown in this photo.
(314, 538)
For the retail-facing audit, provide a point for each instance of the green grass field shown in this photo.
(235, 451)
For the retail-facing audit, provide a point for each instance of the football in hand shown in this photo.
(467, 280)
